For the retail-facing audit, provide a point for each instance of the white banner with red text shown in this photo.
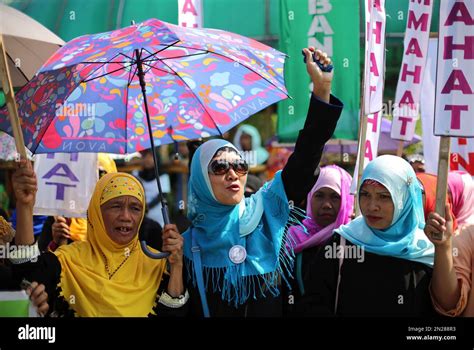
(407, 97)
(455, 75)
(190, 13)
(374, 68)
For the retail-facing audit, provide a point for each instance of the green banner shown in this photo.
(72, 18)
(330, 25)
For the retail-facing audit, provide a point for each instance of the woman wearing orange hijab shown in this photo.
(428, 183)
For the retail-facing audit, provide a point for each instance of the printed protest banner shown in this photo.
(65, 183)
(407, 97)
(455, 74)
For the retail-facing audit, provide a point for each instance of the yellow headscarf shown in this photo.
(85, 280)
(78, 229)
(107, 163)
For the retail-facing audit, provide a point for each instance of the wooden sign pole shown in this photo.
(442, 183)
(401, 145)
(361, 155)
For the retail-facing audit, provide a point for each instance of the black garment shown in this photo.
(6, 278)
(47, 270)
(298, 176)
(293, 305)
(150, 230)
(253, 183)
(4, 214)
(374, 285)
(46, 235)
(147, 174)
(302, 170)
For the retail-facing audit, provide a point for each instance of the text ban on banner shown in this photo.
(190, 13)
(374, 72)
(371, 145)
(331, 26)
(65, 183)
(455, 75)
(407, 97)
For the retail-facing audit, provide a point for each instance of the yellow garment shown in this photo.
(78, 227)
(85, 281)
(121, 186)
(6, 231)
(106, 162)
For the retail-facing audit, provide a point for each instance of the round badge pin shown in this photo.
(237, 254)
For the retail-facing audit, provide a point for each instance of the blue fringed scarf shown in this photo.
(259, 224)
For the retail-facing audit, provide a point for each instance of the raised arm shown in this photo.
(25, 187)
(445, 287)
(301, 171)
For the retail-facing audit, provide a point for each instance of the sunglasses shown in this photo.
(221, 167)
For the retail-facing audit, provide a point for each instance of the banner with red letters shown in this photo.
(407, 97)
(462, 149)
(371, 145)
(190, 13)
(374, 71)
(455, 74)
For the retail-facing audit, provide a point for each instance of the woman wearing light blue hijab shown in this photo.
(254, 145)
(387, 262)
(235, 250)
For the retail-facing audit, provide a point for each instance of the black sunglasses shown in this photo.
(221, 167)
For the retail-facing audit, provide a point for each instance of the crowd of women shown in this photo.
(293, 247)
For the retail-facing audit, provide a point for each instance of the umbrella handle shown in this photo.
(148, 252)
(152, 255)
(326, 69)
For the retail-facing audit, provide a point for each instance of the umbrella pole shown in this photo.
(164, 204)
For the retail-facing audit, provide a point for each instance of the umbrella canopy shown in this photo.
(198, 82)
(29, 44)
(144, 85)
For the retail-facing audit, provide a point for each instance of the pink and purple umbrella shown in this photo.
(198, 83)
(148, 84)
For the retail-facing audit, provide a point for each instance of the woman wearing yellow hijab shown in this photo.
(107, 275)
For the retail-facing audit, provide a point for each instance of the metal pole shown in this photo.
(164, 205)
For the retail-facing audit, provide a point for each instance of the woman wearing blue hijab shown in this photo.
(248, 139)
(387, 262)
(235, 250)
